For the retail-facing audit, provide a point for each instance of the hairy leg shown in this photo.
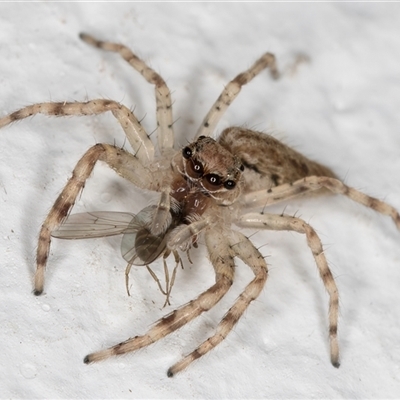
(124, 163)
(282, 222)
(135, 134)
(223, 264)
(242, 248)
(231, 91)
(312, 183)
(163, 95)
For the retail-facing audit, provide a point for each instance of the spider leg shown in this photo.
(181, 236)
(222, 259)
(124, 163)
(162, 216)
(242, 248)
(232, 89)
(282, 222)
(312, 183)
(164, 117)
(135, 134)
(163, 95)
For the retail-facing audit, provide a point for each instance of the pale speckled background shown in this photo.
(341, 109)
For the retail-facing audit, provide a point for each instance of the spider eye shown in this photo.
(229, 185)
(211, 182)
(241, 167)
(187, 153)
(194, 169)
(213, 179)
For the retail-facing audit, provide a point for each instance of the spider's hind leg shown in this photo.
(311, 184)
(282, 222)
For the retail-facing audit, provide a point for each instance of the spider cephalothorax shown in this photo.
(212, 169)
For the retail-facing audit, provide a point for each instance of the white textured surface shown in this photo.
(342, 109)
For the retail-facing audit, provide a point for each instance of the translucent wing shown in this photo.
(139, 246)
(95, 225)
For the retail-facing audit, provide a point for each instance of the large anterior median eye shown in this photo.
(211, 182)
(194, 169)
(213, 179)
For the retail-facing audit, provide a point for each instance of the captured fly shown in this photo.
(138, 246)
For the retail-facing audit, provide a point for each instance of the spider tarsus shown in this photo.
(87, 360)
(85, 36)
(38, 292)
(335, 361)
(170, 373)
(89, 39)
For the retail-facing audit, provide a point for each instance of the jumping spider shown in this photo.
(204, 189)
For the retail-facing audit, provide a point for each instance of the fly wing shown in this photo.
(142, 248)
(95, 225)
(139, 246)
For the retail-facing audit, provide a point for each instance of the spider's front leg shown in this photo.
(221, 255)
(243, 249)
(124, 163)
(232, 90)
(165, 135)
(287, 223)
(136, 135)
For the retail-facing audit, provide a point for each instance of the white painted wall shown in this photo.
(341, 109)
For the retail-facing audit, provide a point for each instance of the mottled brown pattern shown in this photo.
(274, 162)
